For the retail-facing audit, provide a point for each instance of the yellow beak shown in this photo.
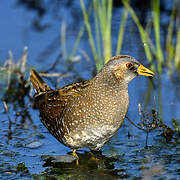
(144, 71)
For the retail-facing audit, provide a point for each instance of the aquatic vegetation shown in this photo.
(101, 41)
(17, 86)
(22, 168)
(170, 58)
(150, 121)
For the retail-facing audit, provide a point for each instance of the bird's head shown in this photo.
(125, 68)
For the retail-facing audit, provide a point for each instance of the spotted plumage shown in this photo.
(88, 113)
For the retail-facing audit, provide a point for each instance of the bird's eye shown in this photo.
(130, 66)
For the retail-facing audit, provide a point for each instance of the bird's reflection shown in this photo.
(89, 168)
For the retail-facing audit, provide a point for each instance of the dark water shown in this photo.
(131, 154)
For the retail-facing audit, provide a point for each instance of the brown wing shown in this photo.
(52, 105)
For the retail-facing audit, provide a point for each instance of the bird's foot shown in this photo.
(93, 158)
(76, 156)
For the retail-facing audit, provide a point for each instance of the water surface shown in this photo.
(26, 144)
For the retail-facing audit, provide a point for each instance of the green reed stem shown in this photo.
(88, 27)
(121, 31)
(108, 53)
(177, 51)
(98, 40)
(105, 16)
(169, 43)
(77, 41)
(63, 40)
(80, 34)
(156, 23)
(143, 33)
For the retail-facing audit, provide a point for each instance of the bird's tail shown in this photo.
(38, 83)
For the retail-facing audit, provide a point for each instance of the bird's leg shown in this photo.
(76, 156)
(74, 153)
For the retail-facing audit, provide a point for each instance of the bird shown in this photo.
(88, 113)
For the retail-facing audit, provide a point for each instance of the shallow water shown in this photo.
(131, 153)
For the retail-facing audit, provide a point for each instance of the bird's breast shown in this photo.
(95, 120)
